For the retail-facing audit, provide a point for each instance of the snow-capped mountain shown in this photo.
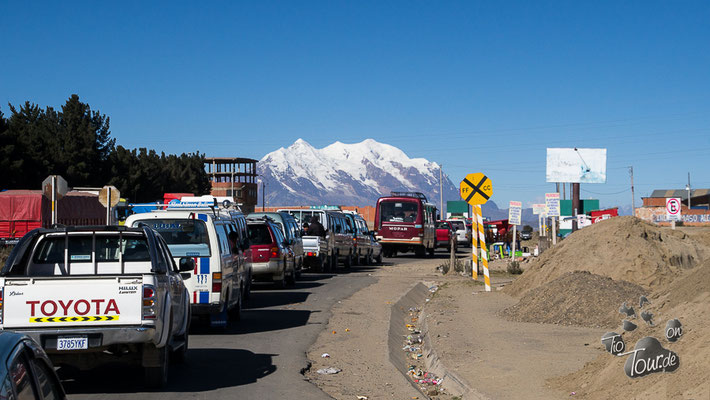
(347, 174)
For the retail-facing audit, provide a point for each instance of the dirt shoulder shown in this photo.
(499, 359)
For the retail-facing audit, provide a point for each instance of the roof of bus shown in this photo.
(403, 198)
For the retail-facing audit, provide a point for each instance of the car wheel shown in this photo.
(291, 278)
(348, 261)
(299, 269)
(157, 377)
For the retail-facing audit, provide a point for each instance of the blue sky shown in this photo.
(477, 86)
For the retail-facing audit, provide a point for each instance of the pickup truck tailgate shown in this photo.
(52, 302)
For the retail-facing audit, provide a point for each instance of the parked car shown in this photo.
(444, 233)
(26, 372)
(361, 238)
(463, 237)
(291, 232)
(98, 293)
(272, 260)
(526, 233)
(217, 240)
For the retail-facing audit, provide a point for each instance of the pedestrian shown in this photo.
(304, 229)
(316, 228)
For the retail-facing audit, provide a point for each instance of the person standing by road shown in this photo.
(316, 228)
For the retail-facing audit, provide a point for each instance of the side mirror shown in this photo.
(187, 264)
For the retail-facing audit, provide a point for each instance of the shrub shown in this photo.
(514, 268)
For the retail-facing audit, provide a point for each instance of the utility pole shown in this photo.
(441, 194)
(688, 187)
(576, 205)
(633, 197)
(263, 195)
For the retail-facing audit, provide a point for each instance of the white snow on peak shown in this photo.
(322, 166)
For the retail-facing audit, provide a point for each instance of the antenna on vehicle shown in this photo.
(214, 206)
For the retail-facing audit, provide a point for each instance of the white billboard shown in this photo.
(576, 165)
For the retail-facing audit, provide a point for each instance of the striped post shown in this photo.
(484, 253)
(474, 242)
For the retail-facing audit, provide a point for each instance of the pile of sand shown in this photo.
(576, 298)
(625, 257)
(687, 299)
(622, 248)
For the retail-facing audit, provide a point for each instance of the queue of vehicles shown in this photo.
(90, 294)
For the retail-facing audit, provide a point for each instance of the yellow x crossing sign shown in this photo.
(476, 188)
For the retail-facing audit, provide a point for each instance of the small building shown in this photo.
(457, 209)
(235, 178)
(698, 214)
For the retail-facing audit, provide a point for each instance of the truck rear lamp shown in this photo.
(311, 254)
(275, 253)
(148, 302)
(216, 276)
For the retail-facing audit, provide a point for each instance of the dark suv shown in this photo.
(25, 371)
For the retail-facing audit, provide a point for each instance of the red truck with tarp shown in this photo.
(24, 210)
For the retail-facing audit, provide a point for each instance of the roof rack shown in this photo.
(417, 195)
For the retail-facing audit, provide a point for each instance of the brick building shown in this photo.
(654, 207)
(233, 177)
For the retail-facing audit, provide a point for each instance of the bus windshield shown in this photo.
(185, 237)
(399, 211)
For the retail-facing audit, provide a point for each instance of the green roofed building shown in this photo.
(457, 209)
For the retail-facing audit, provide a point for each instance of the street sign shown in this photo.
(104, 196)
(61, 189)
(538, 209)
(476, 188)
(673, 209)
(514, 212)
(552, 204)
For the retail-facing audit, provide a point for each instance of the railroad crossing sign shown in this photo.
(673, 208)
(476, 188)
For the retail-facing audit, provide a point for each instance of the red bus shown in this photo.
(405, 221)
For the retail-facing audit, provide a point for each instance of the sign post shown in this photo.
(476, 189)
(673, 210)
(108, 197)
(552, 210)
(515, 209)
(54, 187)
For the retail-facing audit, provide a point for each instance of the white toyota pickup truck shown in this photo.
(91, 294)
(317, 253)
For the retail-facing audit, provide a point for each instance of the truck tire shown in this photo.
(157, 377)
(178, 356)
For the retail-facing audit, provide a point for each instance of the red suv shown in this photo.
(272, 259)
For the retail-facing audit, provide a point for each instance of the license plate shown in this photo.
(72, 343)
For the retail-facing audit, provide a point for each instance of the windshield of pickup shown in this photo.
(185, 237)
(51, 249)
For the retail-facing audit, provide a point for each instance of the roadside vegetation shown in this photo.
(75, 142)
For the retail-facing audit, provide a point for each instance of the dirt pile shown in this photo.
(576, 298)
(622, 248)
(686, 299)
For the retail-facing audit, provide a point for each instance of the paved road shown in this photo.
(258, 357)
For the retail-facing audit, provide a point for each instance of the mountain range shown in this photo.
(351, 174)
